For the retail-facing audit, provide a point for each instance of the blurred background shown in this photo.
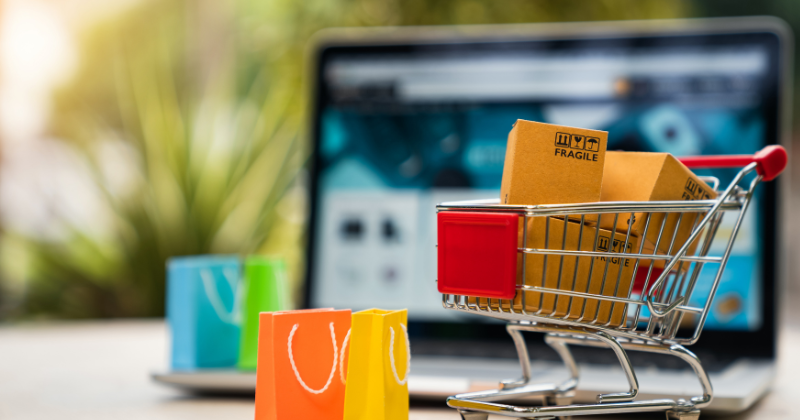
(136, 130)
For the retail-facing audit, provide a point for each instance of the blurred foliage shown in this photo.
(204, 99)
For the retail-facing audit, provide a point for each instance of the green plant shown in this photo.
(213, 167)
(199, 104)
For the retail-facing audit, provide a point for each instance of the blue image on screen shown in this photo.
(402, 131)
(466, 149)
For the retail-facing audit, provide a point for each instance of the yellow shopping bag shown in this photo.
(378, 365)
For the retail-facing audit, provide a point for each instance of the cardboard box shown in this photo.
(552, 164)
(559, 273)
(640, 176)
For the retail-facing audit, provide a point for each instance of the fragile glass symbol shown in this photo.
(576, 141)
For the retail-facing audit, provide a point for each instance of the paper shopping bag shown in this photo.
(299, 373)
(202, 311)
(265, 290)
(377, 366)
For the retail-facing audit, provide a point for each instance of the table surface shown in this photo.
(100, 369)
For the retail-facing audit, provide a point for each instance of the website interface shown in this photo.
(402, 132)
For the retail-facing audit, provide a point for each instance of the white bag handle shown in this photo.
(294, 367)
(391, 355)
(234, 316)
(341, 358)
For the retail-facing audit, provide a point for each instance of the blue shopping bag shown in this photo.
(203, 311)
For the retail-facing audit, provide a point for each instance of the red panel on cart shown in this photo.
(478, 254)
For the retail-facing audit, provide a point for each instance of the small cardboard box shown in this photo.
(641, 176)
(588, 273)
(552, 164)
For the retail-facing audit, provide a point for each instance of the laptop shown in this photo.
(405, 118)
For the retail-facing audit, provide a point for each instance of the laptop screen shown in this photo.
(402, 128)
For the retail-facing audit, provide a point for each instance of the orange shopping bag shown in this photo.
(299, 362)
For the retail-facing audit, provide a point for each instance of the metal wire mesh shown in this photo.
(573, 272)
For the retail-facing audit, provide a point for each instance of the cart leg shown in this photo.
(562, 348)
(515, 331)
(683, 415)
(627, 367)
(690, 358)
(473, 415)
(566, 391)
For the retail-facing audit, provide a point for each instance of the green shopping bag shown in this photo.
(265, 289)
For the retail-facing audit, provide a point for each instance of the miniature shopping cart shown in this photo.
(534, 279)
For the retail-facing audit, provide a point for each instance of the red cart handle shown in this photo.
(770, 161)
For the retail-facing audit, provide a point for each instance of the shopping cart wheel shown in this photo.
(560, 399)
(473, 415)
(683, 414)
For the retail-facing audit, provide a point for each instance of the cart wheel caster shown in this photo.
(683, 415)
(560, 400)
(473, 415)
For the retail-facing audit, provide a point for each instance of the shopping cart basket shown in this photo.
(603, 289)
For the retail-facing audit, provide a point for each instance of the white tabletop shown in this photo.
(100, 369)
